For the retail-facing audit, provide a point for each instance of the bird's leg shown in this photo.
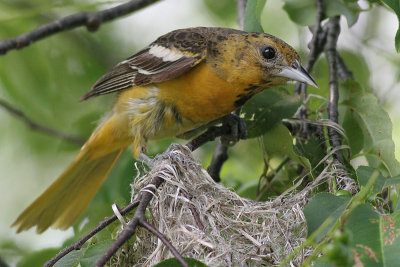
(238, 129)
(145, 159)
(237, 125)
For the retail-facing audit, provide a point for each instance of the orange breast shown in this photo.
(200, 96)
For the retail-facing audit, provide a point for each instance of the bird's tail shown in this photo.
(67, 198)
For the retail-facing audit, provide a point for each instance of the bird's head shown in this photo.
(261, 59)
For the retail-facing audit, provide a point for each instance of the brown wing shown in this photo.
(168, 57)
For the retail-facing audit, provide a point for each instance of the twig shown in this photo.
(316, 46)
(163, 239)
(209, 135)
(331, 55)
(92, 21)
(241, 8)
(218, 159)
(138, 218)
(343, 72)
(78, 244)
(193, 210)
(38, 127)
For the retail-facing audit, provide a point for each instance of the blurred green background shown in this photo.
(47, 79)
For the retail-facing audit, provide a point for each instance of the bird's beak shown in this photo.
(298, 73)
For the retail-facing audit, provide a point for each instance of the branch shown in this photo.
(241, 8)
(92, 21)
(316, 46)
(78, 244)
(163, 239)
(38, 127)
(343, 71)
(331, 55)
(218, 159)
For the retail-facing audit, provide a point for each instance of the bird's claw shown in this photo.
(238, 129)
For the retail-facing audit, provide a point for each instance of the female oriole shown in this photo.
(183, 80)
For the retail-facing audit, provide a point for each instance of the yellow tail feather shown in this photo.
(66, 199)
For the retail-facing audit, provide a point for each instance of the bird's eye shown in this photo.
(268, 52)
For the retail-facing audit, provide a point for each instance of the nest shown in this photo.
(207, 221)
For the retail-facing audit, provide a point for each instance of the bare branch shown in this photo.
(78, 244)
(38, 127)
(331, 55)
(343, 71)
(193, 210)
(92, 21)
(316, 46)
(145, 197)
(210, 135)
(163, 239)
(218, 159)
(241, 7)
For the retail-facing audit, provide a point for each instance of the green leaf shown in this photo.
(268, 108)
(252, 16)
(392, 181)
(172, 262)
(321, 207)
(304, 12)
(71, 259)
(364, 110)
(279, 141)
(376, 238)
(94, 252)
(395, 5)
(364, 173)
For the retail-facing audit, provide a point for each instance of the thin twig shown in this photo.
(241, 8)
(163, 239)
(145, 197)
(78, 244)
(218, 159)
(193, 210)
(92, 21)
(316, 46)
(331, 55)
(210, 135)
(38, 127)
(343, 71)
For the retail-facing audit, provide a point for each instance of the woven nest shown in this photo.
(237, 231)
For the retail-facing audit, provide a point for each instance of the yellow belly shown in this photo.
(200, 95)
(173, 107)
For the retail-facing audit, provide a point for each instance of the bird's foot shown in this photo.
(238, 129)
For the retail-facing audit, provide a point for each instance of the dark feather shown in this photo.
(144, 68)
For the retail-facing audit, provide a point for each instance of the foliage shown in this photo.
(47, 79)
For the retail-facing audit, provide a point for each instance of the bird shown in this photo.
(182, 81)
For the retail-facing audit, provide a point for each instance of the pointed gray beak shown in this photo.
(298, 73)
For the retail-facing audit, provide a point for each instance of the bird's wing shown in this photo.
(166, 58)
